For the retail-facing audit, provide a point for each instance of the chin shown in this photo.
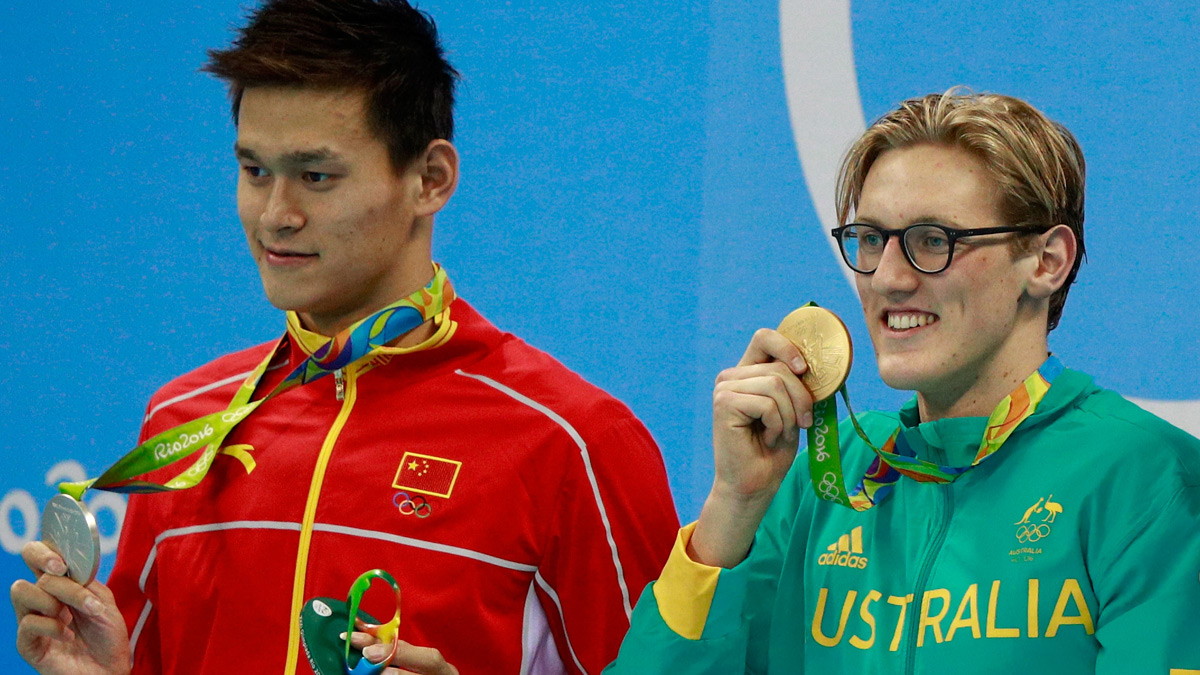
(901, 372)
(287, 302)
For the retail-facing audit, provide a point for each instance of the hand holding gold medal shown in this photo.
(824, 342)
(782, 383)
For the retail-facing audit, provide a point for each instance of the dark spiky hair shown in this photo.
(387, 49)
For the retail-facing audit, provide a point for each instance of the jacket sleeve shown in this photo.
(611, 532)
(1149, 596)
(697, 619)
(689, 622)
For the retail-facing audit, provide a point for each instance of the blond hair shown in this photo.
(1036, 162)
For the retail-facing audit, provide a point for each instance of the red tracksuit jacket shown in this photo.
(521, 509)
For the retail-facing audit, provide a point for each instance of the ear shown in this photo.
(1054, 261)
(438, 168)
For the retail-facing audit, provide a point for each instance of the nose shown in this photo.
(282, 210)
(895, 273)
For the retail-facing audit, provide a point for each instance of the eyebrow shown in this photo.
(919, 220)
(292, 158)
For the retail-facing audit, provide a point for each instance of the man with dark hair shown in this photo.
(388, 51)
(1012, 518)
(491, 481)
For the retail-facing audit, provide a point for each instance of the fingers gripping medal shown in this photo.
(324, 620)
(70, 530)
(824, 342)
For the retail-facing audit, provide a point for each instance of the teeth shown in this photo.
(907, 320)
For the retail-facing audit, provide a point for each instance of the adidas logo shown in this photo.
(847, 552)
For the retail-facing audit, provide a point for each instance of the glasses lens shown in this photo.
(928, 246)
(862, 246)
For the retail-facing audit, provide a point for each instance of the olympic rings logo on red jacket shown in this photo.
(412, 506)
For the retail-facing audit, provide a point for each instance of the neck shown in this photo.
(980, 391)
(329, 325)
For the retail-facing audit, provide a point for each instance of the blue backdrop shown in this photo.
(644, 184)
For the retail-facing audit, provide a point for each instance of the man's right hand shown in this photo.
(64, 627)
(409, 659)
(759, 408)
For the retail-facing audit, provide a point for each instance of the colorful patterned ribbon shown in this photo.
(357, 342)
(897, 459)
(386, 633)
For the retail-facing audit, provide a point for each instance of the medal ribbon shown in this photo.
(897, 459)
(355, 343)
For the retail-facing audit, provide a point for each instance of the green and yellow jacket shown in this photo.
(1076, 549)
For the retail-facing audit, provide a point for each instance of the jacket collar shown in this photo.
(955, 441)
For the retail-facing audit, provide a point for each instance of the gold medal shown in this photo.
(825, 344)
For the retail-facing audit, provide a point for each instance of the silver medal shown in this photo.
(70, 530)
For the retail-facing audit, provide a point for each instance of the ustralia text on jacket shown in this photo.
(1075, 550)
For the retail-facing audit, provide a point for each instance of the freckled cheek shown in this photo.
(970, 292)
(869, 311)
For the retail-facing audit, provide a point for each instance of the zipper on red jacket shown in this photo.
(946, 493)
(346, 390)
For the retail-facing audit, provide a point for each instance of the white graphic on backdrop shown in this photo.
(1183, 414)
(18, 502)
(21, 502)
(827, 116)
(822, 97)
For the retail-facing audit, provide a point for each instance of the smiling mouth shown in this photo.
(287, 260)
(287, 254)
(901, 321)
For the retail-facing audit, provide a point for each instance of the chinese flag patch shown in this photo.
(427, 474)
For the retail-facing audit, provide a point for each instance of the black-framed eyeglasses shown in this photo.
(928, 246)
